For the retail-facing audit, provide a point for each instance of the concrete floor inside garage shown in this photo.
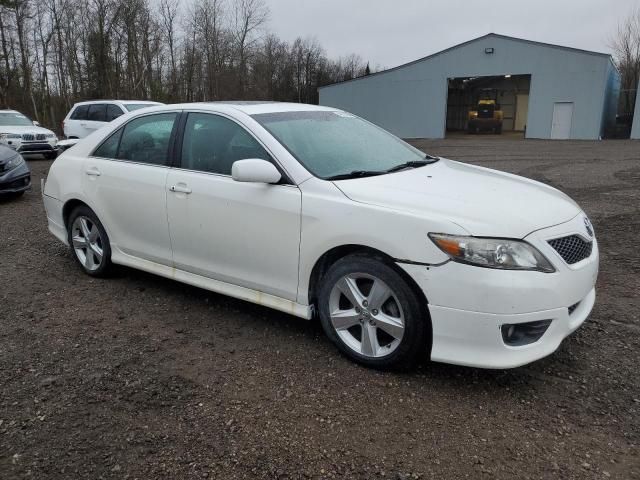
(510, 91)
(138, 376)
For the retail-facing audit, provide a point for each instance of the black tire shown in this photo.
(51, 156)
(105, 267)
(416, 340)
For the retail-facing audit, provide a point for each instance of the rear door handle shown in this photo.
(92, 171)
(180, 189)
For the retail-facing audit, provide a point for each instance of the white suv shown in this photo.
(86, 117)
(26, 136)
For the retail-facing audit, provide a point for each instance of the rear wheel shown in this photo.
(89, 242)
(372, 314)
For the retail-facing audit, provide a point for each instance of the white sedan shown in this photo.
(316, 212)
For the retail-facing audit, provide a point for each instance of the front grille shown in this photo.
(572, 249)
(40, 136)
(486, 112)
(28, 137)
(573, 307)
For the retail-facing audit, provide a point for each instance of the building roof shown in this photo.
(494, 35)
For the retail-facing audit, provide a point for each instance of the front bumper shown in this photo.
(39, 147)
(16, 180)
(468, 305)
(33, 147)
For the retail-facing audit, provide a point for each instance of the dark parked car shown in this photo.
(15, 176)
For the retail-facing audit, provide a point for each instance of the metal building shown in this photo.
(547, 91)
(635, 128)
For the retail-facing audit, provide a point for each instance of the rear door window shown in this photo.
(147, 139)
(80, 113)
(97, 113)
(109, 148)
(113, 112)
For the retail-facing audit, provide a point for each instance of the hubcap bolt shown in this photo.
(361, 321)
(372, 322)
(357, 309)
(365, 303)
(374, 311)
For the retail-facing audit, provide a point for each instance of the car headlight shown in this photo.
(15, 162)
(9, 135)
(499, 253)
(50, 135)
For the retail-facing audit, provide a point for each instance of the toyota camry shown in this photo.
(318, 213)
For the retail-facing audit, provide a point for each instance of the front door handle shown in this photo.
(92, 171)
(180, 189)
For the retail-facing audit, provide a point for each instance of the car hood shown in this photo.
(482, 201)
(6, 154)
(23, 129)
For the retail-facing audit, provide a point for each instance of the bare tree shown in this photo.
(626, 47)
(249, 17)
(56, 52)
(168, 17)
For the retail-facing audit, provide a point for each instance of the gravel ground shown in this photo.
(142, 377)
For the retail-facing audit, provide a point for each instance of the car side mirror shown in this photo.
(37, 124)
(255, 171)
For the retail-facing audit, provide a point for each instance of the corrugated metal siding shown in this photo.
(635, 129)
(411, 100)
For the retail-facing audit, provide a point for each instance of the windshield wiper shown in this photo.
(356, 174)
(414, 164)
(428, 159)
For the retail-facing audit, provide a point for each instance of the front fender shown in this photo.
(330, 220)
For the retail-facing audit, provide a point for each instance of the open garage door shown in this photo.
(493, 104)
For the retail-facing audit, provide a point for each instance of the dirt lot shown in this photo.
(142, 377)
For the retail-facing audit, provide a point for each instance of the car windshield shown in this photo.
(14, 119)
(333, 143)
(137, 106)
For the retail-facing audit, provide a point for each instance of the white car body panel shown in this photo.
(137, 226)
(260, 242)
(486, 203)
(214, 230)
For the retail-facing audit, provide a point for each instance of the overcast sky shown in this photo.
(391, 32)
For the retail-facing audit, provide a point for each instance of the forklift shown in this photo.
(487, 115)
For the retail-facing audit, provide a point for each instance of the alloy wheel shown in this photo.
(366, 315)
(87, 242)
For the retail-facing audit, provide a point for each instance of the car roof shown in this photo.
(250, 107)
(139, 101)
(125, 102)
(10, 111)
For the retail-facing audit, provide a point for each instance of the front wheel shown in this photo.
(372, 314)
(89, 242)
